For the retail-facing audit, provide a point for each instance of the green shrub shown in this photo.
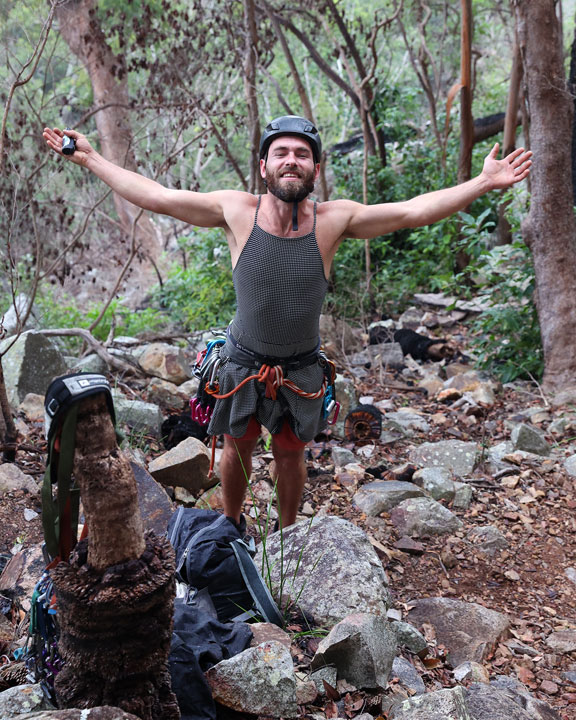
(199, 292)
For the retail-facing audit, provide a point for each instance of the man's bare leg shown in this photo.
(235, 471)
(292, 476)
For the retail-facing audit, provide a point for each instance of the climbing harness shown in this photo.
(271, 372)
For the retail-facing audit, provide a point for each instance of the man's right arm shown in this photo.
(200, 209)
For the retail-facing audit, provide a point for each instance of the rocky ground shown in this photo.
(532, 503)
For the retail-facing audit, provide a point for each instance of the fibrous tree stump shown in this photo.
(115, 595)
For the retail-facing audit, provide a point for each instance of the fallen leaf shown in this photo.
(331, 710)
(430, 663)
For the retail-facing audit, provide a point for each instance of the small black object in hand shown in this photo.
(68, 145)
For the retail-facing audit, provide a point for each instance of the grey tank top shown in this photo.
(280, 287)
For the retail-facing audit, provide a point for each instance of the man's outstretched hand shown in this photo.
(504, 173)
(53, 138)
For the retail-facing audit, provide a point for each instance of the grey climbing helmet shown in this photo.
(291, 125)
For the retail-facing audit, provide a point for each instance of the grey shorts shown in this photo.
(232, 415)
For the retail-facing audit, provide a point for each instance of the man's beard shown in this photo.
(294, 191)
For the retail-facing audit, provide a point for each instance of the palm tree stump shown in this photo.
(115, 594)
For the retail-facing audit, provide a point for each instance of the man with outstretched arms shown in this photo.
(282, 245)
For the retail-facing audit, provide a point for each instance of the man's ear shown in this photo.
(263, 168)
(316, 171)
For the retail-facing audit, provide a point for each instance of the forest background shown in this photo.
(409, 96)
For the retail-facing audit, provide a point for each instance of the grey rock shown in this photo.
(387, 355)
(471, 671)
(362, 647)
(405, 421)
(21, 574)
(570, 676)
(166, 362)
(30, 365)
(13, 316)
(571, 574)
(409, 637)
(328, 674)
(411, 318)
(167, 395)
(185, 465)
(463, 494)
(382, 495)
(408, 675)
(90, 363)
(529, 439)
(341, 456)
(435, 481)
(33, 407)
(338, 336)
(140, 416)
(422, 517)
(348, 398)
(21, 699)
(339, 571)
(259, 680)
(455, 455)
(468, 630)
(488, 539)
(562, 641)
(447, 704)
(501, 702)
(106, 712)
(12, 478)
(570, 465)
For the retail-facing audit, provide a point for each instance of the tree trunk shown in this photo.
(466, 120)
(509, 142)
(572, 82)
(550, 227)
(7, 426)
(115, 595)
(250, 59)
(81, 30)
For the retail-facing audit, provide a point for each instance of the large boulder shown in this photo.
(455, 455)
(468, 630)
(30, 364)
(186, 465)
(259, 680)
(362, 647)
(382, 495)
(167, 362)
(328, 567)
(106, 712)
(423, 517)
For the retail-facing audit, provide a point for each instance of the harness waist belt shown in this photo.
(246, 357)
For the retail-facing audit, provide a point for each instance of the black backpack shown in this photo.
(214, 556)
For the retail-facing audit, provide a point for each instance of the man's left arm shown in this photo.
(369, 221)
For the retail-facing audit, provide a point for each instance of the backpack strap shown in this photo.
(60, 514)
(256, 586)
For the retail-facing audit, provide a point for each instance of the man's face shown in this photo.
(289, 169)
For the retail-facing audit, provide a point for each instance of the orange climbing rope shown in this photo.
(273, 377)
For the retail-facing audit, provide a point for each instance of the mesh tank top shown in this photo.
(280, 287)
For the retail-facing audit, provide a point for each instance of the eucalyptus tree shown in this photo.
(550, 227)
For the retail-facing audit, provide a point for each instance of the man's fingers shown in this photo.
(495, 150)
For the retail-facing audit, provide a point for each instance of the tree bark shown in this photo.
(115, 595)
(466, 120)
(7, 426)
(250, 61)
(550, 227)
(83, 34)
